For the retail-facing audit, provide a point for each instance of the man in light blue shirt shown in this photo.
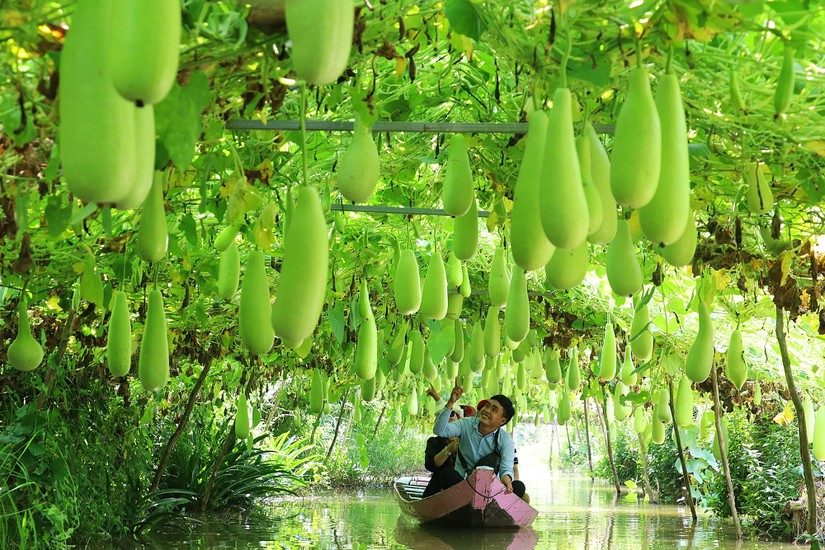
(481, 437)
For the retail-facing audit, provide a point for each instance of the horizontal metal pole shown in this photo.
(399, 126)
(401, 210)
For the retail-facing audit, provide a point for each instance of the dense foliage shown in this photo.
(77, 441)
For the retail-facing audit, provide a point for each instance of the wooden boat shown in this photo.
(478, 501)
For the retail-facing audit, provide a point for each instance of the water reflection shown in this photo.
(574, 513)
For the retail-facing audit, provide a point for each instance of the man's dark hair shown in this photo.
(506, 405)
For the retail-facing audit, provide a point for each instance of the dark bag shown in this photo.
(491, 460)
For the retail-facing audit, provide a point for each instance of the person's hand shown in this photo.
(434, 394)
(452, 447)
(456, 394)
(508, 485)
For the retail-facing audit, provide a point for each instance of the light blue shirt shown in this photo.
(472, 444)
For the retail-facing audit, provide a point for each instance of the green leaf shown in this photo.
(190, 229)
(337, 321)
(464, 18)
(630, 484)
(57, 215)
(440, 341)
(597, 73)
(178, 118)
(80, 214)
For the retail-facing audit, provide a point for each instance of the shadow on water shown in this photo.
(574, 513)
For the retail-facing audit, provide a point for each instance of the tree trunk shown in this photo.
(587, 436)
(607, 443)
(804, 450)
(378, 422)
(315, 425)
(338, 423)
(685, 474)
(190, 405)
(654, 497)
(723, 451)
(569, 444)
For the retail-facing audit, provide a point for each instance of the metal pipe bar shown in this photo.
(402, 210)
(395, 126)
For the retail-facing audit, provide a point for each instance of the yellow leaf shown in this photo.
(635, 225)
(400, 66)
(492, 221)
(79, 267)
(54, 303)
(720, 278)
(786, 416)
(785, 265)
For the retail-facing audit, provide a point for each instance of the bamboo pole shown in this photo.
(685, 474)
(723, 451)
(338, 423)
(607, 443)
(184, 421)
(587, 435)
(394, 126)
(804, 449)
(654, 498)
(378, 422)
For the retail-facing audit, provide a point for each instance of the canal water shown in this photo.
(574, 513)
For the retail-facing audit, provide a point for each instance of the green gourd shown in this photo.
(144, 159)
(808, 411)
(629, 376)
(636, 159)
(242, 418)
(657, 434)
(600, 172)
(758, 194)
(254, 310)
(684, 403)
(681, 252)
(368, 388)
(477, 345)
(366, 348)
(454, 271)
(567, 267)
(316, 393)
(700, 356)
(434, 292)
(429, 371)
(302, 284)
(465, 289)
(153, 359)
(641, 339)
(455, 301)
(819, 434)
(528, 243)
(153, 237)
(96, 133)
(359, 166)
(639, 420)
(119, 337)
(553, 367)
(623, 270)
(143, 70)
(757, 393)
(573, 375)
(396, 349)
(321, 35)
(663, 412)
(521, 377)
(664, 217)
(227, 236)
(407, 283)
(412, 402)
(562, 204)
(783, 96)
(517, 314)
(457, 193)
(465, 233)
(492, 333)
(563, 411)
(620, 411)
(229, 272)
(736, 367)
(416, 351)
(458, 346)
(498, 284)
(24, 353)
(607, 365)
(381, 380)
(595, 211)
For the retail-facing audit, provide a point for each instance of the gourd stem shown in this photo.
(304, 132)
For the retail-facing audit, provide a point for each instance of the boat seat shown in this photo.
(413, 487)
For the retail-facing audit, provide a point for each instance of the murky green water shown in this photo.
(573, 514)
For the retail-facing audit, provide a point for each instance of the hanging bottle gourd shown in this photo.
(359, 167)
(321, 35)
(119, 337)
(434, 292)
(457, 192)
(736, 368)
(153, 361)
(700, 356)
(366, 349)
(242, 417)
(255, 310)
(24, 353)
